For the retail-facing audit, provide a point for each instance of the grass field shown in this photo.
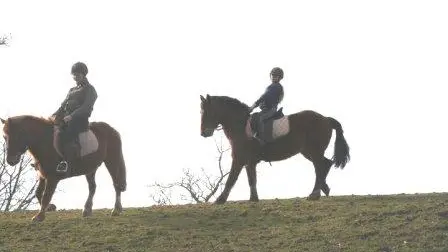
(344, 223)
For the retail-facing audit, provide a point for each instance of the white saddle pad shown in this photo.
(88, 142)
(280, 128)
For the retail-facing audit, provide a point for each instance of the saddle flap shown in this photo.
(88, 142)
(253, 123)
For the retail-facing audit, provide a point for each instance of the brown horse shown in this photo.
(34, 134)
(309, 133)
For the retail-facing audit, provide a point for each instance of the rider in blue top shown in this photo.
(270, 99)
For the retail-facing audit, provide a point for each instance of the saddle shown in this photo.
(254, 120)
(85, 143)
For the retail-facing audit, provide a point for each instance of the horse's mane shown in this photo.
(231, 102)
(41, 120)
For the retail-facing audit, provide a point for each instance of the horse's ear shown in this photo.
(202, 99)
(3, 120)
(208, 97)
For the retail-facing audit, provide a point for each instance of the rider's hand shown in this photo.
(251, 109)
(67, 118)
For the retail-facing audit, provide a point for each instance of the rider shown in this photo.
(72, 117)
(270, 99)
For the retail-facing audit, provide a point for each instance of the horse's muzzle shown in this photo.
(13, 159)
(207, 132)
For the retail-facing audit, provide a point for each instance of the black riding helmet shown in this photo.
(80, 67)
(277, 71)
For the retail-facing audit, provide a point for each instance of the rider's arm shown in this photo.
(86, 108)
(257, 103)
(62, 107)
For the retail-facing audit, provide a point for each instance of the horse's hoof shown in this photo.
(314, 197)
(254, 199)
(326, 191)
(51, 208)
(220, 201)
(115, 212)
(38, 218)
(86, 213)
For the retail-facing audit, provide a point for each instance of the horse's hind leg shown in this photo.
(119, 185)
(325, 169)
(92, 188)
(118, 208)
(117, 169)
(315, 194)
(321, 167)
(314, 150)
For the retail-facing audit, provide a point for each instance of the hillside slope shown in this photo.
(345, 223)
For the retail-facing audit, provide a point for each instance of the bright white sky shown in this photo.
(379, 67)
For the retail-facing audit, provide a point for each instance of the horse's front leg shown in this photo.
(50, 187)
(252, 179)
(233, 176)
(40, 191)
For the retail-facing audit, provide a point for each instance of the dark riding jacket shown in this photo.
(270, 99)
(78, 102)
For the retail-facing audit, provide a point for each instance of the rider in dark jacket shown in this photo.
(72, 117)
(268, 102)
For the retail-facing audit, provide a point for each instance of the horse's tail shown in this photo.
(114, 159)
(341, 154)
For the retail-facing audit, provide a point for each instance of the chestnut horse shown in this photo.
(309, 134)
(35, 134)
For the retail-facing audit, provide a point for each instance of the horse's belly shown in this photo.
(279, 151)
(277, 157)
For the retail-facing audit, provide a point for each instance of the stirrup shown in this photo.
(260, 141)
(62, 167)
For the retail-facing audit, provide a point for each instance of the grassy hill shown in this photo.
(346, 223)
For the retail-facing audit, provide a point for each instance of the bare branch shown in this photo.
(198, 188)
(163, 195)
(4, 39)
(27, 199)
(17, 183)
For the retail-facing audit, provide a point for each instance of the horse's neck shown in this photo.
(42, 147)
(235, 130)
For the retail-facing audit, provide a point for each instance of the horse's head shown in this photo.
(19, 133)
(227, 111)
(15, 139)
(209, 120)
